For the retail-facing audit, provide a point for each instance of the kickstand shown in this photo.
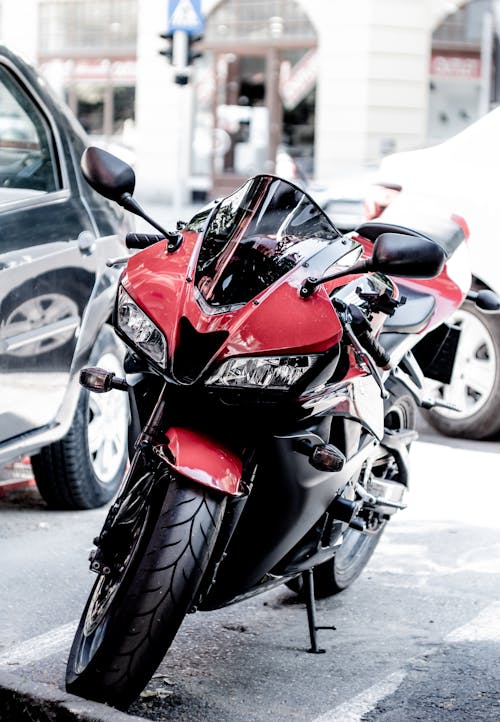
(308, 580)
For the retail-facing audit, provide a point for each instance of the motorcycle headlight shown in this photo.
(144, 334)
(270, 372)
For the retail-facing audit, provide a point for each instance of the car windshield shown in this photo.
(255, 236)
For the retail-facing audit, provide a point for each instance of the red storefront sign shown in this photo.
(297, 81)
(455, 66)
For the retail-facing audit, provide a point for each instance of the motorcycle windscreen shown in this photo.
(255, 236)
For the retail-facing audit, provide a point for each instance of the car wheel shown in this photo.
(475, 383)
(84, 469)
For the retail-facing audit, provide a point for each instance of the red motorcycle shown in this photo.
(272, 388)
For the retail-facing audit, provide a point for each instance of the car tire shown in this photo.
(475, 384)
(84, 469)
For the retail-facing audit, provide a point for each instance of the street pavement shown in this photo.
(417, 636)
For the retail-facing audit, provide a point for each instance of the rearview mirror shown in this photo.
(107, 174)
(398, 254)
(114, 179)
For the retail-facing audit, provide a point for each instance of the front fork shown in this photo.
(188, 453)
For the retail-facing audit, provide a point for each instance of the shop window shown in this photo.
(90, 107)
(298, 119)
(104, 109)
(242, 125)
(258, 20)
(71, 27)
(123, 109)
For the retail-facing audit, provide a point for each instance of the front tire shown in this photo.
(84, 469)
(133, 615)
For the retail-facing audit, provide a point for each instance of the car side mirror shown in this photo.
(398, 254)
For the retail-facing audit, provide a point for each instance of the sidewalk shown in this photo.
(26, 700)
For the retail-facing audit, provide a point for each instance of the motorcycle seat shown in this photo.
(413, 315)
(443, 231)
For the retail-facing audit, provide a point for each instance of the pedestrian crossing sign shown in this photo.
(185, 15)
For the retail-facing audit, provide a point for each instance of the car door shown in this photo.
(47, 260)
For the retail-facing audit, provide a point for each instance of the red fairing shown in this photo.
(203, 460)
(277, 321)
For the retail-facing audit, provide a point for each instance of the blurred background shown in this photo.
(307, 88)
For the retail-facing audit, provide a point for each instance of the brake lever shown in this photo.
(366, 358)
(120, 261)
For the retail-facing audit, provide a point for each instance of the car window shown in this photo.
(27, 161)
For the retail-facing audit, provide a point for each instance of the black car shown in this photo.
(56, 299)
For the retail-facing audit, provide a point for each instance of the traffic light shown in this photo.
(181, 51)
(194, 51)
(168, 51)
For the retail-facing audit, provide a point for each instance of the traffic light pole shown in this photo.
(178, 53)
(182, 148)
(181, 54)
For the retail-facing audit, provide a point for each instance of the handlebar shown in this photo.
(485, 300)
(142, 240)
(374, 348)
(360, 328)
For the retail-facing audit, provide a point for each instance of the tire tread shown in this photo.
(159, 595)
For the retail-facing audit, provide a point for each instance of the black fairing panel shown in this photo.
(194, 350)
(414, 314)
(288, 498)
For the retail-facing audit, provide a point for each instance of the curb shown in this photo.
(38, 702)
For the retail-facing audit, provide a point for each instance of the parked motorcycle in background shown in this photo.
(461, 171)
(273, 386)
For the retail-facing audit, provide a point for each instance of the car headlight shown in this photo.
(270, 372)
(138, 327)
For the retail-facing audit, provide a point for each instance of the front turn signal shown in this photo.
(101, 381)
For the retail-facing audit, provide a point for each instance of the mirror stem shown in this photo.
(311, 283)
(130, 204)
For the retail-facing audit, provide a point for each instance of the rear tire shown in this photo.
(133, 615)
(338, 573)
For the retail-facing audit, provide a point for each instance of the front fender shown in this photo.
(203, 460)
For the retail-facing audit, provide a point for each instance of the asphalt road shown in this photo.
(417, 636)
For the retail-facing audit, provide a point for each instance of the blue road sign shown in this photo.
(185, 15)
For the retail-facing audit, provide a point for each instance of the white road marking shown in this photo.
(484, 627)
(39, 647)
(355, 708)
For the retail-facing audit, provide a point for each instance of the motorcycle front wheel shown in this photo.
(134, 611)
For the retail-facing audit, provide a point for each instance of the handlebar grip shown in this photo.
(142, 240)
(373, 347)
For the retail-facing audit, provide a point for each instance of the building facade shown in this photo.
(333, 85)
